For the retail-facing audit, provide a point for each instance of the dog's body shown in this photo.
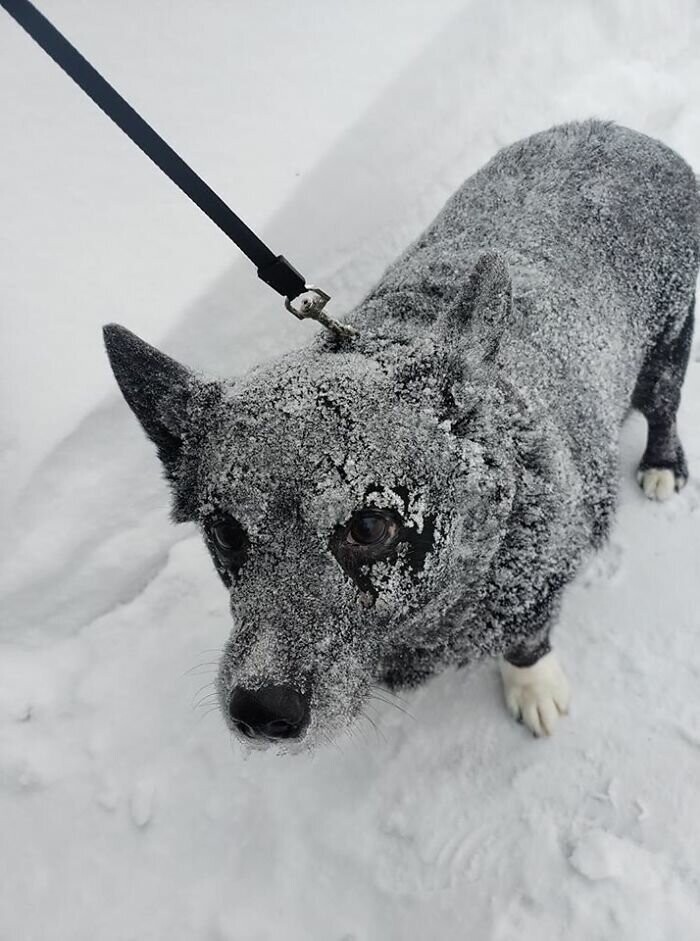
(421, 495)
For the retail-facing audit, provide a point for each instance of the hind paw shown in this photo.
(660, 483)
(536, 695)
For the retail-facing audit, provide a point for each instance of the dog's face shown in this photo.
(351, 499)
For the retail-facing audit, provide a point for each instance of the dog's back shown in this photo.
(599, 225)
(588, 207)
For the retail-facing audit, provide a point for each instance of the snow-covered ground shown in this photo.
(125, 812)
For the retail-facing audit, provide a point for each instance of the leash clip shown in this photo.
(311, 307)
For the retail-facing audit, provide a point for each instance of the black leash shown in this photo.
(273, 269)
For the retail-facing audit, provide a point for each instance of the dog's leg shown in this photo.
(663, 469)
(535, 687)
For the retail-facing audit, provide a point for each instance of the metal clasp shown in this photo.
(311, 307)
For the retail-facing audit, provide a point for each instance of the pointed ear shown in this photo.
(156, 387)
(484, 308)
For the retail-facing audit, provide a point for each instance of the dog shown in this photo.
(422, 494)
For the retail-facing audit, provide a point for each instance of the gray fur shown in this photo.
(482, 401)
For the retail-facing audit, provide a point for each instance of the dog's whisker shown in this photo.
(359, 731)
(202, 715)
(328, 739)
(361, 728)
(389, 692)
(208, 685)
(203, 700)
(395, 705)
(212, 666)
(378, 732)
(375, 712)
(212, 696)
(205, 703)
(209, 712)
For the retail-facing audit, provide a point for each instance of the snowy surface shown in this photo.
(125, 813)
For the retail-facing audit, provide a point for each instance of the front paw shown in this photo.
(660, 483)
(537, 695)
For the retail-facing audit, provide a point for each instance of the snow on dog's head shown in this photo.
(352, 496)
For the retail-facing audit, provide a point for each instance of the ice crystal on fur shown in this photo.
(482, 404)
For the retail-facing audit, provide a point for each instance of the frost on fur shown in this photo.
(480, 407)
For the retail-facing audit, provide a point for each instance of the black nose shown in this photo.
(269, 712)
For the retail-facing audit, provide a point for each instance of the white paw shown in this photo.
(537, 695)
(659, 483)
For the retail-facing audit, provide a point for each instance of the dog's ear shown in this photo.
(156, 387)
(484, 308)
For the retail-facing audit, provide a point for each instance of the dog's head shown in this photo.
(351, 496)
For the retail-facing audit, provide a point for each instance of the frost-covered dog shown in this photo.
(421, 495)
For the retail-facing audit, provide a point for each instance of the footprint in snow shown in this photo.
(141, 803)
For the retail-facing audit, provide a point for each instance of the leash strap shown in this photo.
(273, 269)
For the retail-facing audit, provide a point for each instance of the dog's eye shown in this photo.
(229, 544)
(230, 537)
(370, 528)
(369, 536)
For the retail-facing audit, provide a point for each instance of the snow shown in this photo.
(124, 810)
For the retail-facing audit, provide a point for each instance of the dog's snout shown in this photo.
(273, 712)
